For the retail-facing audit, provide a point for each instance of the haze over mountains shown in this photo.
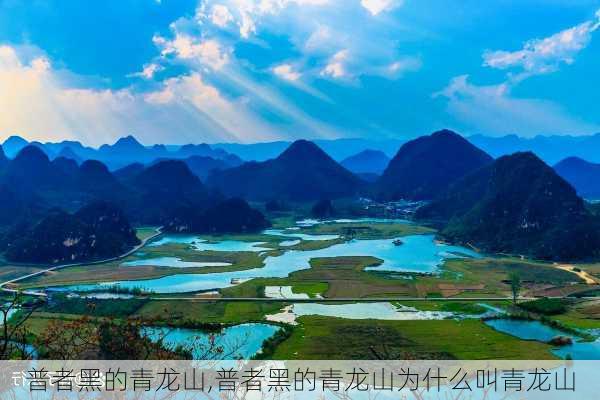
(303, 172)
(516, 204)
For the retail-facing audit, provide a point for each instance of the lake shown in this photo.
(173, 262)
(419, 253)
(237, 342)
(535, 330)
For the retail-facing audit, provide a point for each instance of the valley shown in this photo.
(186, 284)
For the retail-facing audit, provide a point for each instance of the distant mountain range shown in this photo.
(303, 172)
(551, 149)
(128, 150)
(338, 149)
(123, 152)
(366, 162)
(582, 175)
(517, 205)
(425, 167)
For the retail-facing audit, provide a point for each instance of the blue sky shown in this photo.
(182, 71)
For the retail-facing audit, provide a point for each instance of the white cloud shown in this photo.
(220, 15)
(208, 52)
(376, 7)
(287, 72)
(183, 109)
(336, 67)
(148, 71)
(246, 14)
(492, 110)
(545, 55)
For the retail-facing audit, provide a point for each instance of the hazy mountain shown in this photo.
(97, 231)
(3, 159)
(13, 144)
(128, 171)
(303, 172)
(425, 167)
(67, 152)
(518, 205)
(367, 162)
(338, 149)
(582, 175)
(202, 166)
(204, 150)
(551, 149)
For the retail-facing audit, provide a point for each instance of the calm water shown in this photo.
(302, 236)
(173, 262)
(239, 341)
(535, 330)
(419, 253)
(201, 244)
(382, 310)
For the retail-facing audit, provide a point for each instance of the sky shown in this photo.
(193, 71)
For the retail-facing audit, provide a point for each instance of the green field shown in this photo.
(337, 339)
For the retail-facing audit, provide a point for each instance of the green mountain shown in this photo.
(425, 167)
(228, 216)
(517, 205)
(97, 231)
(303, 172)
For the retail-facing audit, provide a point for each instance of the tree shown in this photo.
(13, 315)
(323, 209)
(515, 286)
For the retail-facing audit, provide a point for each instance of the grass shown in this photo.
(115, 271)
(8, 271)
(312, 289)
(145, 232)
(581, 315)
(334, 338)
(343, 276)
(184, 311)
(367, 230)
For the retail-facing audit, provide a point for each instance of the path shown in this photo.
(587, 278)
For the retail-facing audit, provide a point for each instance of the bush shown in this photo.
(545, 306)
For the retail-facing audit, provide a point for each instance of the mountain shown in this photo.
(425, 167)
(97, 231)
(31, 169)
(228, 216)
(517, 205)
(338, 149)
(204, 150)
(367, 162)
(582, 175)
(67, 152)
(13, 145)
(164, 187)
(3, 159)
(303, 172)
(551, 149)
(202, 166)
(128, 171)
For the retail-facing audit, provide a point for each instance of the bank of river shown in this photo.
(235, 342)
(418, 253)
(536, 330)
